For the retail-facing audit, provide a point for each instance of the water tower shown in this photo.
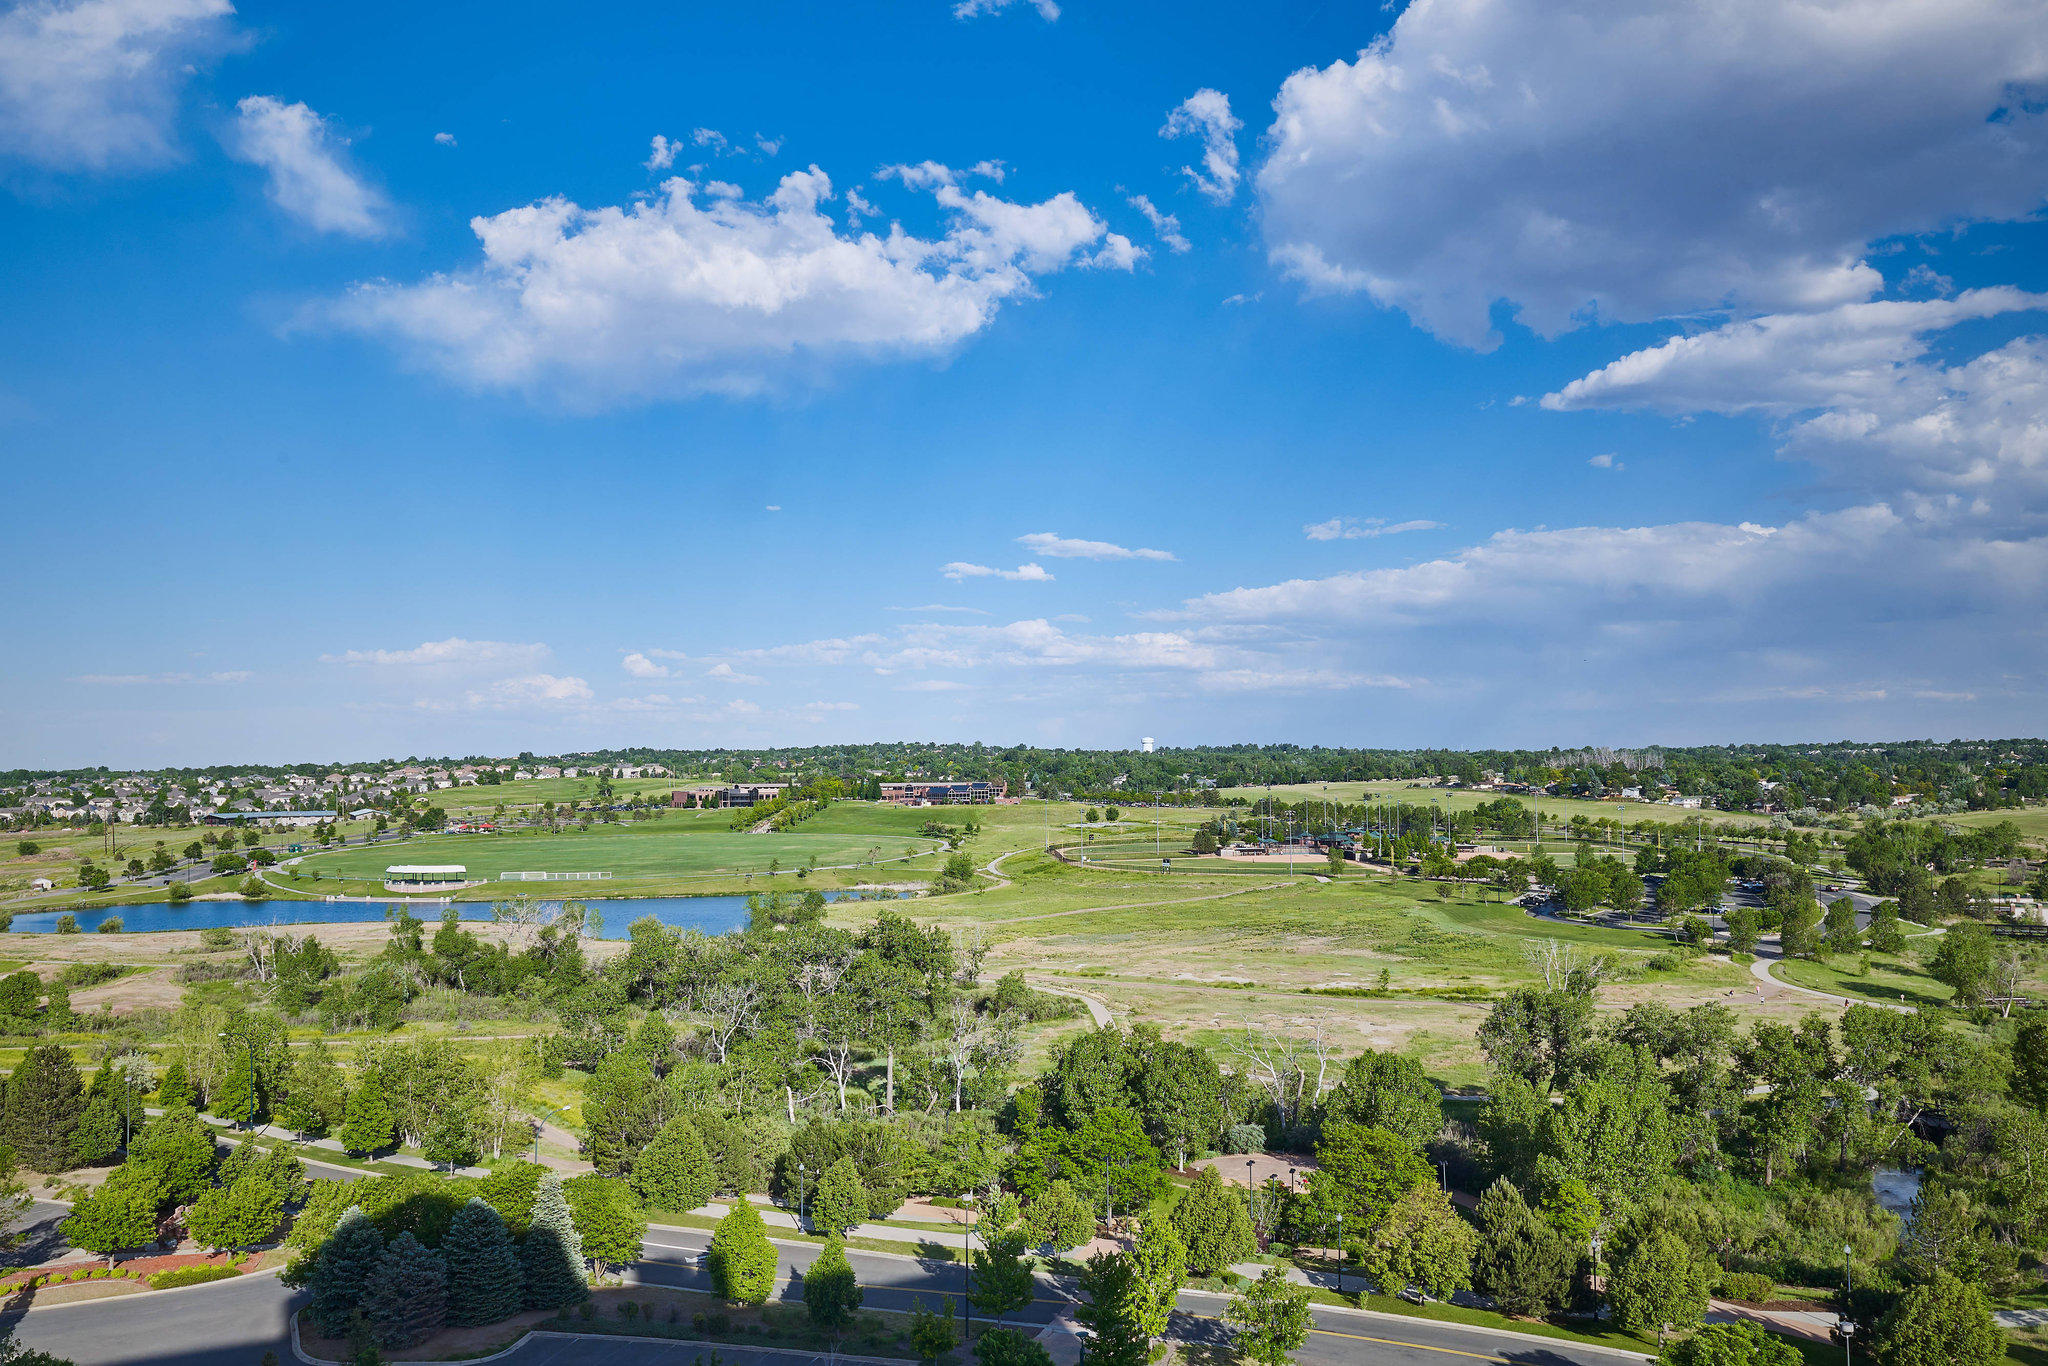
(1146, 744)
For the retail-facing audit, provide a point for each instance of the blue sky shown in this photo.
(440, 379)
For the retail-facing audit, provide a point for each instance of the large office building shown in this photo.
(952, 793)
(744, 794)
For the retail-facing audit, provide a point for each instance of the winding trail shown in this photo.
(1760, 968)
(1097, 1010)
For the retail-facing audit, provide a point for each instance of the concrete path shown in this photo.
(1097, 1011)
(1760, 968)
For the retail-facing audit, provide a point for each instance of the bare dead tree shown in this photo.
(1554, 960)
(964, 1036)
(729, 1010)
(523, 915)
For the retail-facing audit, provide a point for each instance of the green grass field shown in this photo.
(1559, 808)
(2032, 821)
(560, 791)
(655, 849)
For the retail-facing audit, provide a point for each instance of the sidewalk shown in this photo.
(776, 1217)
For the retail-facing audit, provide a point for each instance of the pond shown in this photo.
(711, 914)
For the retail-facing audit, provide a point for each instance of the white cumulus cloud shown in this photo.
(640, 666)
(1632, 159)
(307, 162)
(1864, 392)
(689, 291)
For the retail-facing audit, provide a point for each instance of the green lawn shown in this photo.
(674, 847)
(560, 791)
(1560, 808)
(1896, 980)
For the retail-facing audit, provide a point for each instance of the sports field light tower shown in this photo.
(1146, 744)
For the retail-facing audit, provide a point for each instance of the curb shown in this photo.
(1373, 1315)
(1381, 1316)
(530, 1334)
(146, 1291)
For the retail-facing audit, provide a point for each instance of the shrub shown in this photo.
(113, 924)
(1746, 1286)
(190, 1275)
(1244, 1138)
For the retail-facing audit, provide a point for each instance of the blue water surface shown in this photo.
(711, 914)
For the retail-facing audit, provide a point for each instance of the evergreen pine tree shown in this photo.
(841, 1201)
(176, 1088)
(1522, 1261)
(551, 1254)
(674, 1172)
(237, 1100)
(45, 1100)
(366, 1124)
(406, 1297)
(341, 1269)
(742, 1259)
(98, 1136)
(831, 1294)
(484, 1277)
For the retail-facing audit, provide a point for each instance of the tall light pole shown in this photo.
(1340, 1253)
(1848, 1289)
(966, 1268)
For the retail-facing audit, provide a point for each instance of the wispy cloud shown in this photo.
(452, 652)
(1048, 10)
(1206, 114)
(1356, 529)
(1165, 224)
(1023, 573)
(307, 161)
(1054, 546)
(136, 680)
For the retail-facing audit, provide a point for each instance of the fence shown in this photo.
(553, 877)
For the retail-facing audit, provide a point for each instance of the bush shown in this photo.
(113, 924)
(1244, 1138)
(1746, 1286)
(67, 924)
(190, 1275)
(216, 938)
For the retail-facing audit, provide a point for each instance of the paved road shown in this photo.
(235, 1322)
(40, 1239)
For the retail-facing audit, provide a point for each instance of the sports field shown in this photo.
(657, 850)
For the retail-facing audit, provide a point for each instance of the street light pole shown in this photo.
(1340, 1253)
(966, 1268)
(1848, 1289)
